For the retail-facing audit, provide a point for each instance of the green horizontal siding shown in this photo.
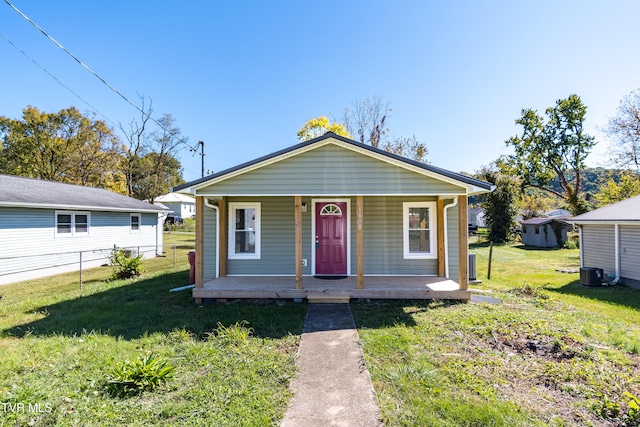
(330, 170)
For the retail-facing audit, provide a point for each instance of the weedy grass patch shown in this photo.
(552, 353)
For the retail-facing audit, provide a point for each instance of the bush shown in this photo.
(144, 374)
(126, 265)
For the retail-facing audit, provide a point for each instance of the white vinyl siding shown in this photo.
(598, 247)
(27, 232)
(630, 252)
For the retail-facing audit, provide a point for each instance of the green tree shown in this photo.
(407, 147)
(549, 149)
(628, 185)
(65, 146)
(501, 205)
(318, 126)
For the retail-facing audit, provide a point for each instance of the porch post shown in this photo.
(440, 220)
(199, 244)
(360, 241)
(463, 234)
(298, 239)
(222, 256)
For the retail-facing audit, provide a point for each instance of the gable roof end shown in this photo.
(480, 186)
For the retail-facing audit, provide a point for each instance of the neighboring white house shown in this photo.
(181, 204)
(476, 217)
(44, 225)
(610, 239)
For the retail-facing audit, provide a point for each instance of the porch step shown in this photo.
(328, 298)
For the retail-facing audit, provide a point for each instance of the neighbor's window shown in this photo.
(72, 223)
(244, 230)
(135, 222)
(419, 229)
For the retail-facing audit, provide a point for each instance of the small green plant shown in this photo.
(634, 409)
(126, 265)
(144, 374)
(236, 334)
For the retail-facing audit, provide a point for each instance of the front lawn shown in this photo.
(553, 353)
(61, 347)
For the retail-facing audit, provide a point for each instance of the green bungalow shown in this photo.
(332, 219)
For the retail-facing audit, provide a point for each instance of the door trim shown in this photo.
(314, 202)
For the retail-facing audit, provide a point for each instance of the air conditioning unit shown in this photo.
(472, 267)
(591, 276)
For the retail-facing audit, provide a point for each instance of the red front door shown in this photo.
(331, 238)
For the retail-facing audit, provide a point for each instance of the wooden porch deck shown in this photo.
(338, 290)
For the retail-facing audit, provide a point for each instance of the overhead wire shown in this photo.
(86, 67)
(56, 79)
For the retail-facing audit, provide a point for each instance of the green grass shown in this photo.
(553, 353)
(233, 362)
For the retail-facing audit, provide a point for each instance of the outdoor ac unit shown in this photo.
(591, 276)
(472, 267)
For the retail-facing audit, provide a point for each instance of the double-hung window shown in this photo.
(72, 223)
(135, 223)
(419, 230)
(244, 230)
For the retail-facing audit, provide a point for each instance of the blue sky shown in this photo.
(245, 76)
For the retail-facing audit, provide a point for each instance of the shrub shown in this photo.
(126, 265)
(144, 374)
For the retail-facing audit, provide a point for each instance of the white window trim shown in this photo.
(232, 230)
(131, 230)
(432, 254)
(73, 223)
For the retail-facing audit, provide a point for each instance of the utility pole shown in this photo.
(194, 149)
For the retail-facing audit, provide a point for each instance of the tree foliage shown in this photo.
(65, 146)
(501, 205)
(628, 185)
(624, 130)
(367, 119)
(549, 149)
(318, 126)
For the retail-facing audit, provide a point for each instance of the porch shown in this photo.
(336, 290)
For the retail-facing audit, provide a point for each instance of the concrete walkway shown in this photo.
(332, 386)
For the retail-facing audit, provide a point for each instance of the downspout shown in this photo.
(446, 236)
(617, 248)
(215, 207)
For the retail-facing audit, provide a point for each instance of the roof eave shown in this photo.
(80, 207)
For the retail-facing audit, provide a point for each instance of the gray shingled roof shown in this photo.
(27, 192)
(625, 211)
(459, 177)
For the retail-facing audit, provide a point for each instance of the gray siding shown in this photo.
(598, 247)
(630, 252)
(383, 241)
(26, 232)
(330, 170)
(382, 235)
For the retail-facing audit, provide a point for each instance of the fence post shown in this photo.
(80, 270)
(174, 256)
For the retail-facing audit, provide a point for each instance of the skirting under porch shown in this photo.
(336, 290)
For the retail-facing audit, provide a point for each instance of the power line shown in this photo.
(56, 79)
(96, 74)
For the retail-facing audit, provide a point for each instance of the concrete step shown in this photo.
(329, 298)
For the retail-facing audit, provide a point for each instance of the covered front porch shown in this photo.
(336, 290)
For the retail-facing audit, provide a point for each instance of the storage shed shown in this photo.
(544, 232)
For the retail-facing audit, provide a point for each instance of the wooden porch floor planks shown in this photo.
(375, 287)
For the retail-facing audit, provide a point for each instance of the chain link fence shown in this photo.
(77, 270)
